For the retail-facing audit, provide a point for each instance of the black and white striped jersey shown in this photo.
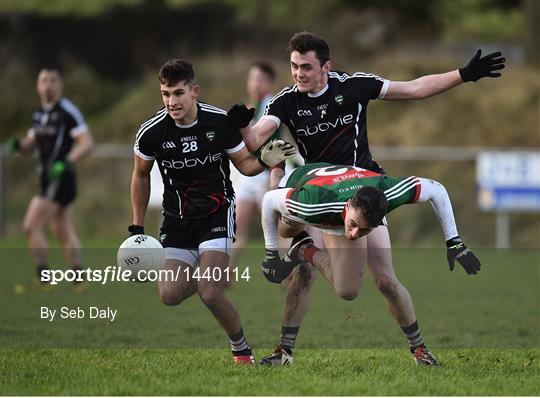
(192, 160)
(330, 126)
(54, 129)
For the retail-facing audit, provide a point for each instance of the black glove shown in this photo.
(275, 270)
(240, 115)
(12, 146)
(135, 230)
(478, 68)
(458, 251)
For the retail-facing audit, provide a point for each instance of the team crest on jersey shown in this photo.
(339, 99)
(210, 135)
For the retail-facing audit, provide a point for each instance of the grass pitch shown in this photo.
(483, 329)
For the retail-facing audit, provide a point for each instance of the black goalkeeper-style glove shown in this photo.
(478, 68)
(241, 115)
(271, 266)
(275, 270)
(458, 251)
(135, 230)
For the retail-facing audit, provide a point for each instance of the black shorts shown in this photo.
(63, 191)
(190, 233)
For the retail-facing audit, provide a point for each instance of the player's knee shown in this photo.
(169, 297)
(211, 295)
(388, 285)
(347, 293)
(28, 228)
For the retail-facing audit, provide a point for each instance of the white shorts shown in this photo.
(250, 189)
(191, 257)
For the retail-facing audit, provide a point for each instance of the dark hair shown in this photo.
(373, 204)
(177, 70)
(266, 68)
(306, 41)
(51, 68)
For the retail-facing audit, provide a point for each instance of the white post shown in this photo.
(2, 156)
(503, 230)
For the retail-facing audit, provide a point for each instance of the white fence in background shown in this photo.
(380, 153)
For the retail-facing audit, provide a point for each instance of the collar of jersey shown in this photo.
(323, 90)
(186, 126)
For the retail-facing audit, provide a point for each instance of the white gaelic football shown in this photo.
(141, 252)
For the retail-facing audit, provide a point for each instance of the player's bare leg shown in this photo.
(397, 296)
(245, 210)
(173, 292)
(64, 228)
(381, 267)
(297, 300)
(212, 293)
(38, 214)
(345, 259)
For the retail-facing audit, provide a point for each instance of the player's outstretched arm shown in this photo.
(436, 194)
(427, 86)
(254, 136)
(140, 190)
(273, 153)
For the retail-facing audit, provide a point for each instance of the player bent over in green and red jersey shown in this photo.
(348, 201)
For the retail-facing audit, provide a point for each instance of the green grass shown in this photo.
(483, 329)
(316, 372)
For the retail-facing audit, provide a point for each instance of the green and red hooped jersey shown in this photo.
(320, 191)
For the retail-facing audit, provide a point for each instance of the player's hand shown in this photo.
(275, 152)
(13, 145)
(271, 266)
(458, 251)
(479, 67)
(241, 115)
(57, 169)
(135, 230)
(274, 269)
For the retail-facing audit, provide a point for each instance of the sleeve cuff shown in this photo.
(384, 89)
(236, 148)
(273, 118)
(142, 155)
(80, 129)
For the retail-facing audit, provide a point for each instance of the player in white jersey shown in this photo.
(326, 112)
(62, 138)
(250, 190)
(192, 143)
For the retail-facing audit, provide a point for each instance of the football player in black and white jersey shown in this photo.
(61, 137)
(326, 112)
(192, 142)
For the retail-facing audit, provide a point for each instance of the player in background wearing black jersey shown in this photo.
(192, 143)
(326, 113)
(61, 137)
